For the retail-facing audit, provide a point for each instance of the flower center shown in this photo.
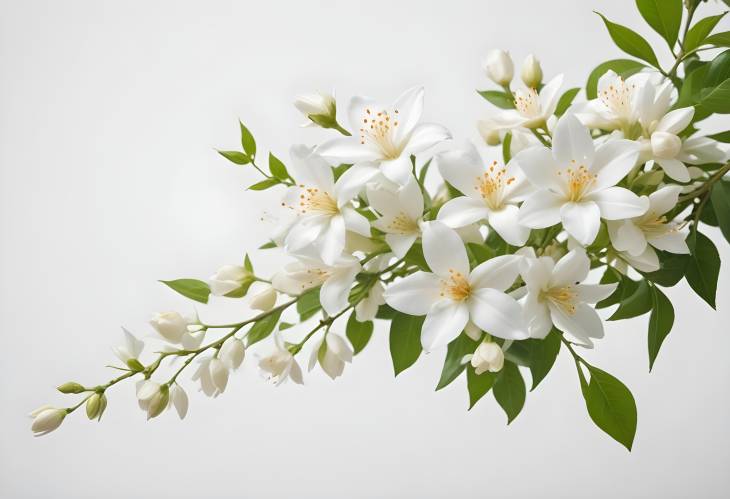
(655, 226)
(379, 128)
(527, 103)
(491, 185)
(579, 180)
(316, 200)
(402, 224)
(617, 97)
(564, 297)
(456, 286)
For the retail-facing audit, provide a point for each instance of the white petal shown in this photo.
(295, 372)
(305, 231)
(675, 121)
(400, 243)
(352, 182)
(626, 236)
(570, 269)
(425, 136)
(540, 210)
(613, 161)
(414, 294)
(462, 211)
(617, 203)
(444, 322)
(339, 347)
(410, 109)
(179, 400)
(498, 273)
(572, 141)
(348, 150)
(674, 168)
(498, 314)
(397, 170)
(698, 150)
(410, 198)
(310, 168)
(355, 222)
(581, 220)
(505, 222)
(336, 290)
(444, 250)
(549, 95)
(540, 168)
(593, 293)
(673, 242)
(461, 168)
(664, 199)
(218, 374)
(147, 390)
(332, 240)
(537, 316)
(648, 261)
(581, 326)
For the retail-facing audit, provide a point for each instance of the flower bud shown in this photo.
(487, 357)
(665, 145)
(95, 406)
(71, 387)
(170, 325)
(499, 67)
(531, 72)
(264, 300)
(153, 397)
(218, 374)
(320, 108)
(232, 353)
(473, 331)
(229, 279)
(46, 419)
(179, 400)
(489, 133)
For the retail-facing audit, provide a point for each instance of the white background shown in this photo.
(109, 116)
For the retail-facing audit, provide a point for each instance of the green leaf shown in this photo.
(385, 312)
(519, 353)
(635, 300)
(453, 367)
(499, 99)
(630, 41)
(720, 198)
(664, 16)
(718, 99)
(703, 267)
(263, 328)
(247, 141)
(405, 340)
(247, 264)
(719, 39)
(721, 137)
(264, 184)
(542, 356)
(269, 245)
(622, 67)
(689, 94)
(566, 100)
(611, 406)
(308, 304)
(661, 321)
(415, 257)
(697, 33)
(277, 168)
(672, 269)
(610, 276)
(479, 253)
(507, 147)
(358, 333)
(509, 390)
(478, 384)
(718, 70)
(190, 288)
(235, 157)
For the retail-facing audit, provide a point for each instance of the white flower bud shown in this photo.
(332, 355)
(46, 419)
(320, 108)
(153, 397)
(264, 300)
(487, 357)
(170, 325)
(489, 133)
(499, 67)
(228, 278)
(218, 374)
(665, 145)
(130, 349)
(95, 406)
(531, 72)
(232, 353)
(179, 400)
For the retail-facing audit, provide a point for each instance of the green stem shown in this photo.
(707, 185)
(339, 128)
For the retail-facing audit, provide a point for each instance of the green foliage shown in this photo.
(264, 184)
(190, 288)
(630, 41)
(277, 168)
(247, 141)
(717, 100)
(509, 390)
(610, 405)
(697, 34)
(478, 384)
(358, 333)
(719, 39)
(262, 328)
(405, 340)
(566, 100)
(542, 356)
(497, 98)
(703, 267)
(236, 157)
(622, 67)
(661, 321)
(635, 299)
(453, 366)
(664, 16)
(308, 304)
(718, 70)
(720, 198)
(671, 271)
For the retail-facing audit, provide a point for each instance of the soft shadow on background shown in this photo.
(109, 116)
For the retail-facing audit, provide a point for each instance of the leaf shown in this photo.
(721, 137)
(478, 384)
(264, 184)
(247, 264)
(385, 312)
(358, 333)
(518, 352)
(635, 300)
(672, 269)
(507, 147)
(190, 288)
(542, 356)
(308, 304)
(415, 257)
(719, 39)
(479, 253)
(611, 406)
(703, 267)
(697, 33)
(718, 99)
(498, 98)
(455, 352)
(718, 70)
(661, 321)
(405, 340)
(263, 328)
(565, 100)
(235, 157)
(664, 16)
(622, 67)
(611, 276)
(247, 141)
(630, 41)
(689, 94)
(509, 390)
(277, 168)
(720, 198)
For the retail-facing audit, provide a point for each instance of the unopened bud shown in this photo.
(71, 387)
(531, 72)
(499, 67)
(264, 300)
(95, 406)
(320, 108)
(665, 145)
(489, 133)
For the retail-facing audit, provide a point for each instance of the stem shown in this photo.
(339, 128)
(707, 185)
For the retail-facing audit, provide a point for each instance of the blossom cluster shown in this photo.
(561, 209)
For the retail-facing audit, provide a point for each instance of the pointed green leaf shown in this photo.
(542, 356)
(630, 41)
(262, 328)
(718, 70)
(719, 39)
(277, 168)
(478, 384)
(661, 321)
(721, 203)
(622, 67)
(664, 16)
(672, 269)
(509, 390)
(405, 340)
(190, 288)
(358, 333)
(499, 99)
(453, 366)
(635, 300)
(235, 157)
(703, 267)
(507, 147)
(247, 141)
(308, 304)
(611, 406)
(698, 33)
(717, 100)
(264, 184)
(566, 100)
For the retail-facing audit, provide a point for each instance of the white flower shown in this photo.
(153, 398)
(179, 399)
(213, 376)
(577, 182)
(492, 193)
(264, 300)
(499, 67)
(452, 295)
(533, 109)
(332, 353)
(232, 353)
(170, 325)
(487, 357)
(556, 297)
(308, 272)
(227, 279)
(367, 308)
(324, 212)
(46, 419)
(319, 108)
(531, 72)
(130, 350)
(638, 236)
(386, 137)
(400, 214)
(616, 107)
(281, 365)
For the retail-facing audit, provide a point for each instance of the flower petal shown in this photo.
(462, 211)
(425, 136)
(674, 168)
(444, 322)
(355, 222)
(310, 168)
(498, 314)
(505, 223)
(444, 250)
(581, 220)
(352, 182)
(410, 109)
(617, 203)
(572, 142)
(348, 150)
(540, 210)
(613, 161)
(648, 261)
(461, 168)
(626, 236)
(673, 242)
(305, 231)
(537, 316)
(540, 168)
(570, 269)
(549, 96)
(400, 243)
(414, 294)
(497, 273)
(583, 325)
(410, 199)
(675, 121)
(664, 199)
(332, 240)
(397, 170)
(593, 293)
(335, 290)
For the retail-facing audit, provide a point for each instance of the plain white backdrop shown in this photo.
(109, 116)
